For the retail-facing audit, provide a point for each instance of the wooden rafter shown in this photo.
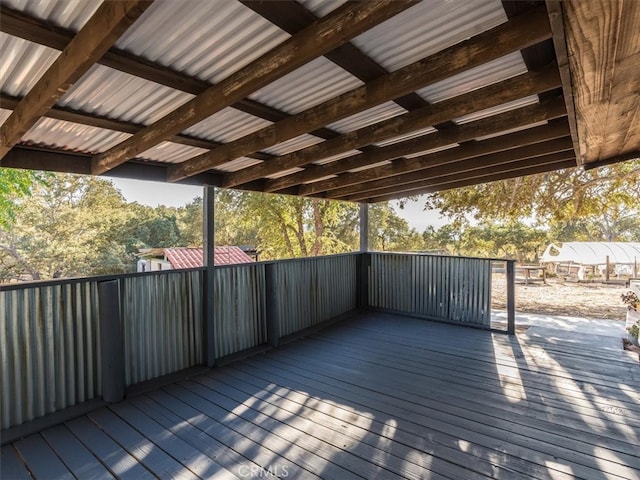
(509, 37)
(107, 24)
(449, 183)
(499, 160)
(75, 116)
(502, 92)
(292, 17)
(18, 24)
(324, 35)
(520, 117)
(465, 152)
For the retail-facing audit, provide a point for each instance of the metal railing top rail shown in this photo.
(427, 254)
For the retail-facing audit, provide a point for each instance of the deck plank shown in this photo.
(405, 384)
(104, 448)
(41, 459)
(75, 455)
(378, 396)
(11, 467)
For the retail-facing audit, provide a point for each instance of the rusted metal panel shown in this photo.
(239, 307)
(49, 349)
(455, 289)
(313, 290)
(162, 323)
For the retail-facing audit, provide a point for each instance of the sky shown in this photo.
(172, 195)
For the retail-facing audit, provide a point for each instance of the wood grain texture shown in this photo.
(380, 396)
(483, 98)
(603, 40)
(323, 36)
(106, 25)
(506, 38)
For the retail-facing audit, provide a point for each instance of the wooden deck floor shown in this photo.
(381, 397)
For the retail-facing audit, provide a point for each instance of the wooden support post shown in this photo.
(208, 317)
(364, 259)
(272, 309)
(111, 344)
(511, 297)
(635, 267)
(606, 272)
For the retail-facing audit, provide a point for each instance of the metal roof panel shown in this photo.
(71, 14)
(373, 115)
(227, 125)
(427, 28)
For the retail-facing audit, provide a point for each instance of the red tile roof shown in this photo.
(188, 257)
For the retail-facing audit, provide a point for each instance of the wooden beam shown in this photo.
(292, 17)
(556, 21)
(391, 178)
(83, 118)
(555, 129)
(553, 162)
(497, 94)
(520, 117)
(46, 159)
(610, 161)
(19, 25)
(106, 25)
(336, 28)
(506, 38)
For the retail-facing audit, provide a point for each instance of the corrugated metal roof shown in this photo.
(478, 77)
(432, 150)
(4, 114)
(193, 257)
(309, 85)
(64, 13)
(284, 173)
(209, 39)
(111, 93)
(408, 136)
(372, 165)
(376, 114)
(238, 164)
(427, 28)
(169, 152)
(72, 136)
(513, 130)
(294, 144)
(22, 63)
(227, 125)
(321, 7)
(505, 107)
(324, 161)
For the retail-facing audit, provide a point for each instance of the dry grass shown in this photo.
(557, 297)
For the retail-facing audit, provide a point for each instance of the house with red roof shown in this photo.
(175, 258)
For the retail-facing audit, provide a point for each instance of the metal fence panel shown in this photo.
(49, 349)
(162, 323)
(313, 290)
(239, 308)
(455, 289)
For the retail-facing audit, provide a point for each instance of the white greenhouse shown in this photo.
(584, 258)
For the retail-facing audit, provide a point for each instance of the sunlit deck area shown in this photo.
(376, 396)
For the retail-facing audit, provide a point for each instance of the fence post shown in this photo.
(208, 314)
(111, 342)
(272, 310)
(511, 297)
(363, 262)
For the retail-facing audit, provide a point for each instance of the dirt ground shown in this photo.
(557, 297)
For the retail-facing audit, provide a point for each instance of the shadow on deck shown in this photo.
(379, 396)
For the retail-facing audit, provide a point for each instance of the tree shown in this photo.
(600, 203)
(389, 232)
(15, 185)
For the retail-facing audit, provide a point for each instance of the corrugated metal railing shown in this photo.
(162, 323)
(453, 289)
(50, 332)
(310, 291)
(49, 342)
(239, 308)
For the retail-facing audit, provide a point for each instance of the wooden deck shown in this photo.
(377, 397)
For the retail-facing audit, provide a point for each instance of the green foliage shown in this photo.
(14, 186)
(389, 232)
